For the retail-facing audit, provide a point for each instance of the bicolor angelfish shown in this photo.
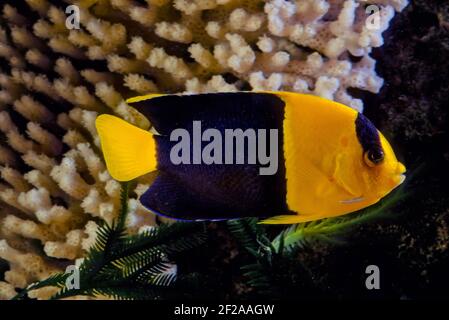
(331, 159)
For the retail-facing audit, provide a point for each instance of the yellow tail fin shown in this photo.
(129, 151)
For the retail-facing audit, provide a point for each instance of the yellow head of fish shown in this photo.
(343, 163)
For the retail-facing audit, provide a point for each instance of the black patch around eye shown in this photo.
(369, 139)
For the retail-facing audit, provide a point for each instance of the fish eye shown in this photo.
(373, 157)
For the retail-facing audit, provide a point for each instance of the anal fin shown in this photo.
(290, 219)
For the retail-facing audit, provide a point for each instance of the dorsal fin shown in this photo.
(145, 97)
(234, 109)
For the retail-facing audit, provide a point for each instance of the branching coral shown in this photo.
(55, 80)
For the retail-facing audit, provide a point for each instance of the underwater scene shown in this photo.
(224, 150)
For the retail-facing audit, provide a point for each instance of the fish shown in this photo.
(331, 159)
